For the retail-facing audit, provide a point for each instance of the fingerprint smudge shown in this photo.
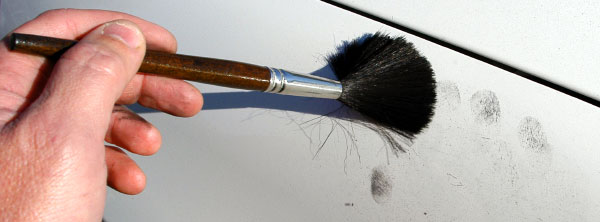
(486, 107)
(381, 185)
(532, 135)
(448, 94)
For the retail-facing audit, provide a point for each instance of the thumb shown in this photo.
(89, 77)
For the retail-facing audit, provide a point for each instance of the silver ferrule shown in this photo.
(289, 83)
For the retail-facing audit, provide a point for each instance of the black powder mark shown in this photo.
(532, 135)
(448, 94)
(381, 186)
(123, 113)
(486, 107)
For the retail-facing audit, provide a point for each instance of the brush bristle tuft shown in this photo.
(388, 81)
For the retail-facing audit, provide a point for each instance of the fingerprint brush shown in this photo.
(383, 78)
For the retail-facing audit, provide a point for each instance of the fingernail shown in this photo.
(124, 32)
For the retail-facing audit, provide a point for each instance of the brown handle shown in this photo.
(205, 70)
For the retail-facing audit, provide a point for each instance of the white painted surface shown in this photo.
(234, 162)
(556, 40)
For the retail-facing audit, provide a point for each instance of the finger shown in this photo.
(18, 71)
(172, 96)
(88, 79)
(75, 23)
(130, 131)
(124, 175)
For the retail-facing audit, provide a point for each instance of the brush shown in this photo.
(383, 78)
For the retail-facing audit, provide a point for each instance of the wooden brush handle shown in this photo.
(205, 70)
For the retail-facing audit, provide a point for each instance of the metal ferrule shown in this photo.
(289, 83)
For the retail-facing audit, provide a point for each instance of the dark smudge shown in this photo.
(448, 94)
(532, 135)
(381, 185)
(485, 107)
(123, 113)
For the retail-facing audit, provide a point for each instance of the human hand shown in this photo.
(54, 118)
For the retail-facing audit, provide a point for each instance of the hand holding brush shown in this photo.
(383, 78)
(55, 114)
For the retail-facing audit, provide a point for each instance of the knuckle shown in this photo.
(60, 16)
(53, 13)
(96, 60)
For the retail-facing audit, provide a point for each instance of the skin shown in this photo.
(55, 117)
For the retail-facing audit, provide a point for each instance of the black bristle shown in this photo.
(388, 81)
